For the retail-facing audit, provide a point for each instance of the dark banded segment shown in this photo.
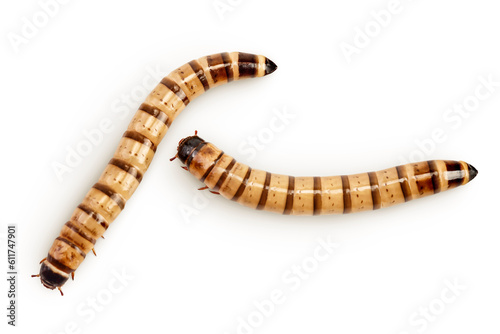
(403, 181)
(209, 169)
(228, 66)
(198, 70)
(94, 215)
(111, 194)
(265, 192)
(72, 245)
(242, 186)
(317, 196)
(346, 190)
(217, 68)
(247, 65)
(376, 199)
(224, 175)
(126, 168)
(59, 265)
(454, 173)
(157, 113)
(289, 196)
(433, 170)
(78, 231)
(140, 138)
(193, 153)
(176, 89)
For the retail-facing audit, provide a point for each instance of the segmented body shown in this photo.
(291, 195)
(107, 198)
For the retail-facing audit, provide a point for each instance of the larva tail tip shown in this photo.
(270, 66)
(472, 172)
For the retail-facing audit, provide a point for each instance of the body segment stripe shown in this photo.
(435, 176)
(111, 194)
(265, 192)
(59, 265)
(155, 112)
(176, 89)
(94, 215)
(224, 175)
(242, 186)
(228, 65)
(346, 189)
(69, 243)
(317, 196)
(78, 231)
(140, 138)
(209, 169)
(126, 168)
(289, 196)
(198, 70)
(403, 181)
(376, 199)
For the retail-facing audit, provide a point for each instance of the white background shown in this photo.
(199, 262)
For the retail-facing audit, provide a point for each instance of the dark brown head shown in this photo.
(187, 146)
(51, 277)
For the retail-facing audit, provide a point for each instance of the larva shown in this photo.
(291, 195)
(107, 198)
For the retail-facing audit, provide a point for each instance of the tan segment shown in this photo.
(233, 181)
(119, 181)
(203, 160)
(421, 183)
(149, 126)
(234, 65)
(165, 100)
(66, 254)
(465, 168)
(85, 245)
(102, 204)
(251, 195)
(303, 197)
(134, 153)
(278, 190)
(390, 187)
(361, 192)
(441, 169)
(218, 170)
(185, 77)
(332, 196)
(82, 219)
(261, 66)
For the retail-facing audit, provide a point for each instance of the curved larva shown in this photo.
(120, 179)
(291, 195)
